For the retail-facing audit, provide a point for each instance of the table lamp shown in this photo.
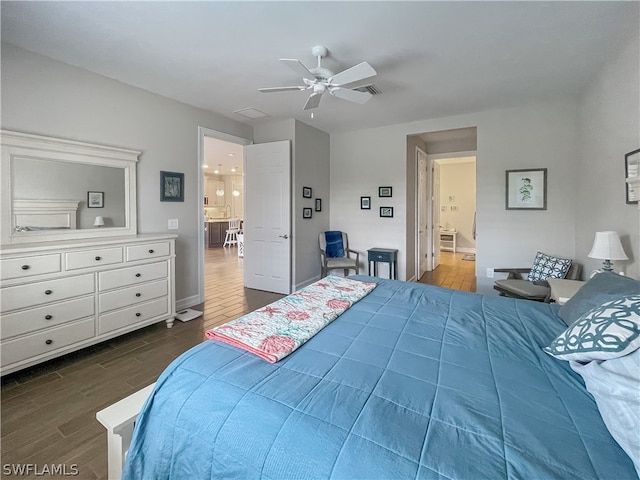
(607, 247)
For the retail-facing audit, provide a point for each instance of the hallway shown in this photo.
(453, 272)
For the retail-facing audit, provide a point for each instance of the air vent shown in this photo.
(250, 113)
(371, 88)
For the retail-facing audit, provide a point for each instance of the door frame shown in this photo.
(420, 253)
(207, 132)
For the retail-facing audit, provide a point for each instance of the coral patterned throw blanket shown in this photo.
(275, 331)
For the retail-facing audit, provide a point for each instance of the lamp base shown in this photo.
(607, 266)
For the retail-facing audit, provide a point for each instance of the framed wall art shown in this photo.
(318, 204)
(386, 212)
(306, 212)
(526, 189)
(365, 203)
(385, 191)
(306, 192)
(95, 199)
(171, 187)
(632, 169)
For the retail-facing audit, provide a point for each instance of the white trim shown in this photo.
(207, 132)
(187, 302)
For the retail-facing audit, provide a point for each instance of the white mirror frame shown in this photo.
(17, 144)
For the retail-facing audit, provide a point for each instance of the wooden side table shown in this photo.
(562, 290)
(384, 255)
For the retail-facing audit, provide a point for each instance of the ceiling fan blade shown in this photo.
(298, 67)
(354, 74)
(281, 89)
(351, 95)
(313, 101)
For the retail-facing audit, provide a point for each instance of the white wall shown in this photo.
(609, 128)
(43, 96)
(459, 180)
(533, 136)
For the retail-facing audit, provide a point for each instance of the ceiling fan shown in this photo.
(320, 79)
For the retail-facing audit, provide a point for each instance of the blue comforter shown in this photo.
(412, 382)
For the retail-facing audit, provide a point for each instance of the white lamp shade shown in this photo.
(607, 246)
(220, 192)
(98, 222)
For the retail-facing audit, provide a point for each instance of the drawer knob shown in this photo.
(138, 274)
(25, 267)
(138, 294)
(48, 292)
(151, 250)
(49, 342)
(138, 314)
(98, 258)
(48, 317)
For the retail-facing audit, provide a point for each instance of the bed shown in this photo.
(412, 381)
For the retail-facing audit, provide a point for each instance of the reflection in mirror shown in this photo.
(54, 189)
(45, 180)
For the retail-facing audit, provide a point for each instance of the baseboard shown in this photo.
(187, 302)
(298, 286)
(465, 249)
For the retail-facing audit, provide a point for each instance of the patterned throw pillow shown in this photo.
(607, 331)
(546, 266)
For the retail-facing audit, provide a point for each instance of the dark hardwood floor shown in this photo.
(48, 411)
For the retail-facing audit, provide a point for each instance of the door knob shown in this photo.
(285, 236)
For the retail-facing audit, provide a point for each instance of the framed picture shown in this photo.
(385, 192)
(632, 169)
(171, 187)
(318, 204)
(95, 199)
(526, 189)
(306, 212)
(365, 203)
(306, 192)
(386, 211)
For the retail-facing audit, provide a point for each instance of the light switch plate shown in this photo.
(172, 224)
(490, 273)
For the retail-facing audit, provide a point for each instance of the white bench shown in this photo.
(119, 420)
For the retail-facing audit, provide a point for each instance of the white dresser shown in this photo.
(57, 297)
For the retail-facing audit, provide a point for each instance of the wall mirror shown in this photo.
(55, 189)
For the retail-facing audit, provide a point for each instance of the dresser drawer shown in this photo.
(148, 250)
(38, 293)
(34, 319)
(132, 295)
(132, 315)
(28, 266)
(131, 275)
(46, 341)
(93, 258)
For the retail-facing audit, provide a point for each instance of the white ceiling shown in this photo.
(433, 59)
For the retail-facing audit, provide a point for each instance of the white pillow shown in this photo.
(615, 385)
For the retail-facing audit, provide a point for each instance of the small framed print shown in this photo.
(526, 189)
(171, 187)
(365, 203)
(306, 192)
(386, 212)
(95, 199)
(306, 212)
(318, 204)
(385, 191)
(632, 169)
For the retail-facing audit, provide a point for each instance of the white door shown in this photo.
(423, 209)
(267, 218)
(435, 201)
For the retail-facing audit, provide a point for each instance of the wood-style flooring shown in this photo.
(48, 411)
(453, 272)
